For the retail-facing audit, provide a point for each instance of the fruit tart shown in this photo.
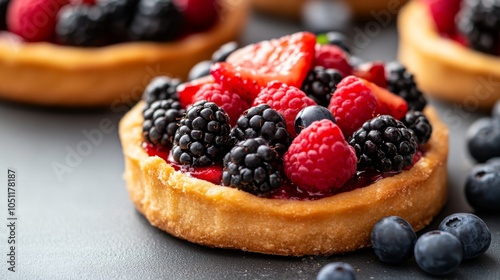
(284, 150)
(104, 52)
(454, 49)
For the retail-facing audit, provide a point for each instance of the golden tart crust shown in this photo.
(54, 75)
(442, 67)
(218, 216)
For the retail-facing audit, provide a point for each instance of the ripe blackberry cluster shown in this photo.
(161, 88)
(118, 14)
(203, 135)
(479, 22)
(418, 123)
(401, 82)
(384, 143)
(81, 25)
(159, 20)
(252, 166)
(263, 121)
(160, 121)
(320, 84)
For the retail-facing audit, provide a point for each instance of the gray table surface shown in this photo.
(78, 222)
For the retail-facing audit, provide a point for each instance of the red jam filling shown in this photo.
(288, 190)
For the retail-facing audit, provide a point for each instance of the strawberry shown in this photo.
(34, 20)
(331, 56)
(249, 69)
(388, 102)
(373, 72)
(186, 91)
(443, 12)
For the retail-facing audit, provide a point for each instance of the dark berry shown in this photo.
(4, 4)
(310, 114)
(224, 51)
(470, 230)
(495, 112)
(337, 271)
(401, 82)
(81, 25)
(483, 139)
(494, 162)
(393, 239)
(438, 252)
(320, 84)
(417, 122)
(203, 135)
(263, 121)
(252, 166)
(118, 14)
(338, 39)
(482, 188)
(200, 69)
(161, 88)
(384, 143)
(156, 20)
(160, 122)
(479, 22)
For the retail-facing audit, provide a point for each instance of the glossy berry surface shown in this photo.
(418, 123)
(337, 271)
(438, 252)
(81, 25)
(321, 83)
(483, 139)
(393, 239)
(161, 88)
(470, 230)
(200, 69)
(332, 57)
(402, 83)
(160, 121)
(373, 72)
(310, 114)
(482, 188)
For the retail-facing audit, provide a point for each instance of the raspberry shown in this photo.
(161, 88)
(230, 102)
(160, 122)
(331, 56)
(287, 100)
(34, 20)
(319, 159)
(320, 84)
(352, 104)
(443, 12)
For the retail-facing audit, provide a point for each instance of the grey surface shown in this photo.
(83, 226)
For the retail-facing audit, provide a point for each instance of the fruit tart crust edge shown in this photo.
(443, 67)
(49, 74)
(217, 216)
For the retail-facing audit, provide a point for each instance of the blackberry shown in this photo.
(383, 143)
(263, 121)
(4, 4)
(81, 25)
(119, 15)
(417, 122)
(401, 82)
(161, 88)
(320, 84)
(200, 69)
(479, 22)
(203, 135)
(252, 166)
(156, 20)
(160, 121)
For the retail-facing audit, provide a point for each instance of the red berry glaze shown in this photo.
(319, 158)
(331, 56)
(373, 72)
(388, 102)
(443, 12)
(187, 91)
(287, 100)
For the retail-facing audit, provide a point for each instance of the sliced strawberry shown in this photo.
(373, 72)
(331, 56)
(186, 91)
(249, 69)
(388, 102)
(443, 12)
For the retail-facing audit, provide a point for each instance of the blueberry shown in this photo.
(438, 252)
(494, 162)
(393, 239)
(338, 39)
(482, 188)
(199, 70)
(224, 51)
(310, 114)
(336, 271)
(483, 139)
(470, 230)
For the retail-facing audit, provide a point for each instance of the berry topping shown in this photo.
(203, 135)
(199, 70)
(156, 20)
(443, 12)
(252, 166)
(373, 72)
(199, 14)
(320, 84)
(483, 139)
(482, 187)
(160, 122)
(393, 239)
(81, 25)
(417, 122)
(4, 4)
(286, 100)
(438, 252)
(385, 144)
(118, 14)
(263, 121)
(388, 103)
(230, 102)
(161, 88)
(251, 68)
(401, 82)
(186, 91)
(330, 56)
(337, 271)
(319, 159)
(470, 230)
(224, 51)
(310, 114)
(352, 104)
